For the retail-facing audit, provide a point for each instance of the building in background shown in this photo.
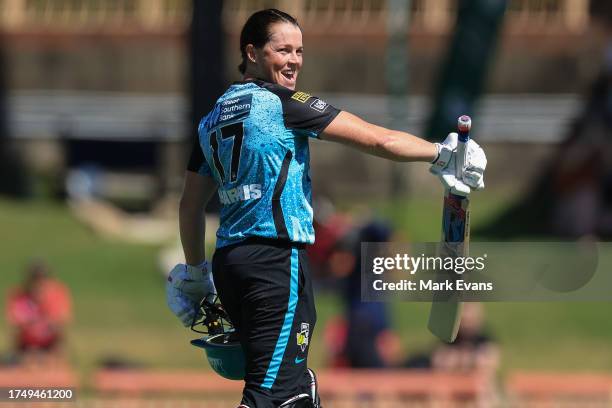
(85, 75)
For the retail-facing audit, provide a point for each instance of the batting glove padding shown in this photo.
(475, 165)
(186, 287)
(445, 166)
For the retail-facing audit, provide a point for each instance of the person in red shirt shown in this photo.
(38, 310)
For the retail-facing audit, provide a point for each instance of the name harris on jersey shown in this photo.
(240, 193)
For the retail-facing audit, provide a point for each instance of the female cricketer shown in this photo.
(253, 151)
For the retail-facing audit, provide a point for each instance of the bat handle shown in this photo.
(464, 124)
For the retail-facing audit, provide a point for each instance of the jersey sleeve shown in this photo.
(197, 161)
(305, 113)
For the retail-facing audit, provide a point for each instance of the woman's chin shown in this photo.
(287, 83)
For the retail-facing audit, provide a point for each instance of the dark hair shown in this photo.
(256, 30)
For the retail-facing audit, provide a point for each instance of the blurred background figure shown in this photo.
(362, 337)
(39, 310)
(475, 349)
(331, 226)
(371, 342)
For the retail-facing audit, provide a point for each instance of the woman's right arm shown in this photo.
(197, 192)
(353, 131)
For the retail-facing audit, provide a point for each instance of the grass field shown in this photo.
(120, 310)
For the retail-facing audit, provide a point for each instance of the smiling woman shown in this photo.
(271, 48)
(253, 150)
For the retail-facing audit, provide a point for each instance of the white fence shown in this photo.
(45, 115)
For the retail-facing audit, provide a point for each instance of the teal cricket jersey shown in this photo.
(254, 143)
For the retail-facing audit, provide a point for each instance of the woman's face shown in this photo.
(280, 60)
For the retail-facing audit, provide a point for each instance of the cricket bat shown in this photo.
(445, 312)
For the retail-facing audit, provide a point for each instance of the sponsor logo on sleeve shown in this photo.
(319, 105)
(302, 336)
(301, 96)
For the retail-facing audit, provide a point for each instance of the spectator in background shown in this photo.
(370, 341)
(363, 337)
(331, 227)
(39, 310)
(473, 349)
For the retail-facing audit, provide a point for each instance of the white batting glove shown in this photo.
(475, 165)
(444, 166)
(186, 287)
(446, 151)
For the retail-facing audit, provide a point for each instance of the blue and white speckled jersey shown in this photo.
(254, 143)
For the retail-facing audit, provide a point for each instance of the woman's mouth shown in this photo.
(289, 75)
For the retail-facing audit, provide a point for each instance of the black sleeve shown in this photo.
(304, 112)
(196, 158)
(197, 161)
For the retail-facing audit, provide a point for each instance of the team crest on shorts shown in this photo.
(301, 96)
(302, 336)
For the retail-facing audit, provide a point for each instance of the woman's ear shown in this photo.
(250, 52)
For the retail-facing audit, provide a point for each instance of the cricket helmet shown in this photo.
(221, 345)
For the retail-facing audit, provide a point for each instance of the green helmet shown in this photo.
(221, 346)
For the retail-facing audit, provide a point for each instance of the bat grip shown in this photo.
(460, 161)
(464, 124)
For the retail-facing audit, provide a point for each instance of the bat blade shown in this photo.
(445, 312)
(444, 319)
